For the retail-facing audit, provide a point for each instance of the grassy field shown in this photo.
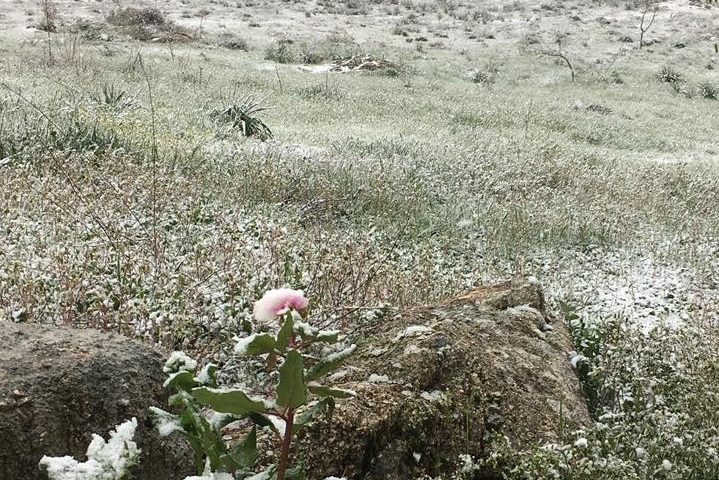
(125, 203)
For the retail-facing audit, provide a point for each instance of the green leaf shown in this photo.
(183, 380)
(228, 401)
(221, 420)
(327, 336)
(263, 475)
(262, 421)
(247, 326)
(296, 473)
(213, 445)
(331, 392)
(256, 344)
(286, 331)
(329, 363)
(207, 376)
(199, 454)
(305, 330)
(245, 453)
(291, 390)
(327, 403)
(205, 440)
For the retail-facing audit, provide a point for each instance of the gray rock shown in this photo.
(496, 375)
(59, 385)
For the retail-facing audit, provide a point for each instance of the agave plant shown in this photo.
(243, 116)
(112, 97)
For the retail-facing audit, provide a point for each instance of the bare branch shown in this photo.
(557, 53)
(648, 5)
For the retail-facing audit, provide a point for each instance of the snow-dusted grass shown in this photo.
(393, 195)
(655, 399)
(394, 191)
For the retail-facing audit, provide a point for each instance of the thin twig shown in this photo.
(279, 80)
(155, 244)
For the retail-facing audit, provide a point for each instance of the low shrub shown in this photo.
(668, 74)
(148, 24)
(281, 51)
(233, 42)
(130, 16)
(709, 91)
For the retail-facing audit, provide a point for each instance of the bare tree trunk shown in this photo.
(559, 53)
(643, 29)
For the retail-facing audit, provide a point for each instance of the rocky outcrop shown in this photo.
(365, 63)
(436, 382)
(432, 383)
(60, 385)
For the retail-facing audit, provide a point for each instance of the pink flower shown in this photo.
(278, 302)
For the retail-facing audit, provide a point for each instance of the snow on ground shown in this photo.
(650, 292)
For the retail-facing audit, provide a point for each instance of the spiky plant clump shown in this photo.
(481, 76)
(668, 74)
(112, 96)
(243, 116)
(709, 91)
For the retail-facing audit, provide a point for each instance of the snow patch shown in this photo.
(374, 378)
(166, 423)
(411, 349)
(178, 361)
(204, 377)
(414, 331)
(107, 460)
(433, 396)
(243, 344)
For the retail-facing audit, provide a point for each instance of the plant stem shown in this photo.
(286, 442)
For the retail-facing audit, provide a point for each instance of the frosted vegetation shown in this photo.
(132, 200)
(285, 397)
(106, 460)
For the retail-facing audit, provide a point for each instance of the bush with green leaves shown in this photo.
(296, 360)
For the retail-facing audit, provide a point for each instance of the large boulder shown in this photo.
(60, 385)
(436, 382)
